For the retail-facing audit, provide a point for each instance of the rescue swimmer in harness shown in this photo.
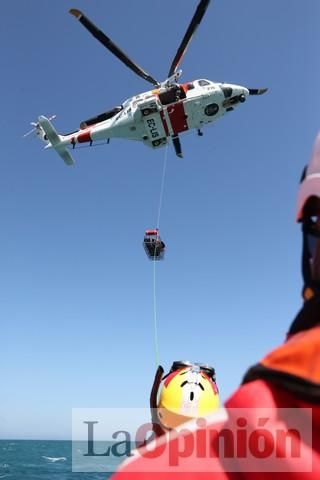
(153, 245)
(287, 378)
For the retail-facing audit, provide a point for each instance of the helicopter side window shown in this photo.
(211, 109)
(101, 118)
(203, 83)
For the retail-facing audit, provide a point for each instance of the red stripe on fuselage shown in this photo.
(84, 137)
(164, 123)
(178, 118)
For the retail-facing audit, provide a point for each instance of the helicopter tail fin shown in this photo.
(55, 140)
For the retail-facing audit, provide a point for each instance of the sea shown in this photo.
(40, 460)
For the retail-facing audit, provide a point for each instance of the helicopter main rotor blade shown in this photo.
(108, 43)
(195, 22)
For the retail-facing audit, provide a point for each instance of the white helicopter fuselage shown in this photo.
(154, 116)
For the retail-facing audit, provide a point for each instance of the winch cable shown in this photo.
(155, 317)
(162, 183)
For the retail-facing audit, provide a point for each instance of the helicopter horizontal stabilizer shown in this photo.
(55, 140)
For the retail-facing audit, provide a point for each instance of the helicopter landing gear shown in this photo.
(199, 132)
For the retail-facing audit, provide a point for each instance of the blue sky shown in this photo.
(76, 287)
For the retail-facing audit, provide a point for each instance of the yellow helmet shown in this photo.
(189, 391)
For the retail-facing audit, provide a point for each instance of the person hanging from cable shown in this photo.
(188, 390)
(153, 245)
(282, 390)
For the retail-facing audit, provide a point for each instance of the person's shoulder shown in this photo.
(256, 394)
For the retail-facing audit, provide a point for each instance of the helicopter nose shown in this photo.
(243, 96)
(245, 92)
(241, 92)
(236, 94)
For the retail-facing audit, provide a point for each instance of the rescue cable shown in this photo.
(155, 319)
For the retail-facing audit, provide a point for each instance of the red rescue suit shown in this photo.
(289, 377)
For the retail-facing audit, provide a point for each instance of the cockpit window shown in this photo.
(203, 83)
(189, 86)
(126, 102)
(227, 91)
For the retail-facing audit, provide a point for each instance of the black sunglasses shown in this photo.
(203, 367)
(311, 236)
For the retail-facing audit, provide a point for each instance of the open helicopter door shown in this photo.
(55, 140)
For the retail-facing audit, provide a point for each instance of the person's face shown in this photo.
(315, 261)
(314, 247)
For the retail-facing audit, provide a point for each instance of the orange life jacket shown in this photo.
(294, 366)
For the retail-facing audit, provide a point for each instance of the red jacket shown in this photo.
(289, 377)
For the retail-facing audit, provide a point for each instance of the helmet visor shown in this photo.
(311, 238)
(203, 367)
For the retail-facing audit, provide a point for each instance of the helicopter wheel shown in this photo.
(146, 112)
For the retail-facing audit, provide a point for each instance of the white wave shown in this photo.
(55, 459)
(6, 475)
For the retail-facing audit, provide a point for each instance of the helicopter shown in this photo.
(158, 115)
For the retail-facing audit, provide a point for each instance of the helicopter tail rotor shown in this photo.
(34, 125)
(54, 140)
(37, 129)
(44, 130)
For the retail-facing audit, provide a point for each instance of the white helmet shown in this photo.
(310, 182)
(308, 213)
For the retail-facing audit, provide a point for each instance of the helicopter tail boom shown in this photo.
(55, 140)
